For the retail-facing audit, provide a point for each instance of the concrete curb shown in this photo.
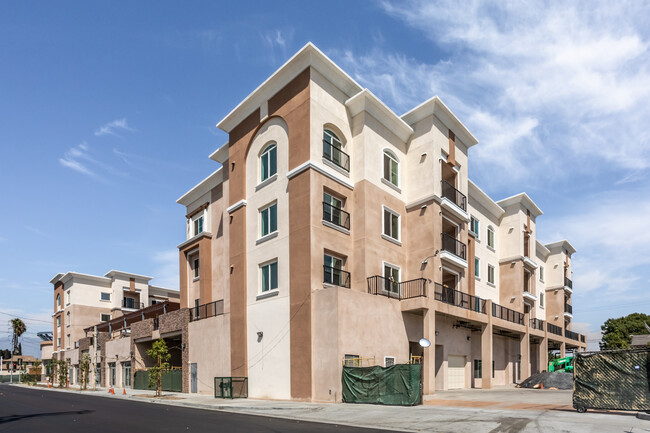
(643, 415)
(218, 408)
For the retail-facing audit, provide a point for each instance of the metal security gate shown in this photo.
(230, 387)
(193, 384)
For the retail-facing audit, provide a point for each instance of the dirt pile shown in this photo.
(554, 379)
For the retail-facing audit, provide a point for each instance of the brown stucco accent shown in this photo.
(238, 352)
(300, 285)
(451, 159)
(204, 244)
(197, 210)
(132, 285)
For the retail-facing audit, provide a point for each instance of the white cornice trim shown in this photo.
(202, 187)
(310, 164)
(476, 193)
(525, 201)
(221, 154)
(194, 238)
(64, 278)
(236, 206)
(365, 100)
(562, 244)
(419, 202)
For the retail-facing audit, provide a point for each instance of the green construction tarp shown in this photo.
(616, 380)
(172, 381)
(395, 385)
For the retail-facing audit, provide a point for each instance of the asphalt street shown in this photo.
(28, 410)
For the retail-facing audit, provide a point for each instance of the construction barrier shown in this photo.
(172, 381)
(395, 385)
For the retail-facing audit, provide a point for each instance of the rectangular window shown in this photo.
(474, 226)
(391, 168)
(58, 342)
(69, 341)
(478, 369)
(270, 276)
(196, 268)
(541, 273)
(490, 274)
(352, 361)
(268, 162)
(67, 319)
(391, 224)
(269, 220)
(106, 296)
(129, 302)
(58, 321)
(126, 375)
(333, 211)
(490, 237)
(541, 299)
(104, 317)
(333, 267)
(198, 225)
(391, 278)
(477, 267)
(389, 361)
(67, 297)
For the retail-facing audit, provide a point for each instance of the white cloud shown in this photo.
(166, 270)
(77, 159)
(111, 127)
(277, 43)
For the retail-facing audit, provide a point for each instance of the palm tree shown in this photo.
(19, 329)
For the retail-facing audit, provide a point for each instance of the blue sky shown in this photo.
(107, 114)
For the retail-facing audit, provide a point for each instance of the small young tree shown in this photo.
(84, 369)
(51, 371)
(62, 369)
(160, 355)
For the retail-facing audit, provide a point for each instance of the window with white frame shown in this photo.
(490, 274)
(268, 162)
(477, 267)
(58, 321)
(69, 341)
(197, 224)
(67, 319)
(389, 361)
(391, 167)
(541, 273)
(67, 297)
(333, 150)
(58, 342)
(541, 299)
(104, 317)
(391, 278)
(105, 296)
(269, 276)
(474, 226)
(196, 268)
(490, 237)
(333, 266)
(391, 224)
(58, 302)
(269, 220)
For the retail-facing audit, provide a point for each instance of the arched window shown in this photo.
(490, 236)
(391, 167)
(332, 150)
(268, 162)
(58, 301)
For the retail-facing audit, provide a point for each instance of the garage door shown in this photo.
(456, 372)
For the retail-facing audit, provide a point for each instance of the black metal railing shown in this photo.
(131, 303)
(568, 283)
(451, 193)
(336, 216)
(572, 335)
(582, 338)
(568, 309)
(537, 324)
(554, 329)
(335, 276)
(454, 297)
(211, 309)
(454, 246)
(506, 313)
(378, 285)
(336, 155)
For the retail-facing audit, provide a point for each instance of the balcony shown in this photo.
(505, 313)
(453, 250)
(378, 285)
(336, 277)
(204, 311)
(454, 201)
(572, 335)
(131, 304)
(568, 311)
(568, 285)
(336, 156)
(537, 324)
(554, 329)
(336, 216)
(454, 297)
(529, 295)
(582, 339)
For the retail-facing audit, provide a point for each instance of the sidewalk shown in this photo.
(472, 411)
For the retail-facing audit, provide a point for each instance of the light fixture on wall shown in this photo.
(260, 335)
(469, 338)
(437, 333)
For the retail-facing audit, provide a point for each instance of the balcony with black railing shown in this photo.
(454, 246)
(582, 338)
(336, 156)
(506, 313)
(554, 329)
(572, 335)
(568, 308)
(454, 297)
(537, 324)
(336, 277)
(378, 285)
(336, 216)
(132, 304)
(568, 283)
(211, 309)
(452, 194)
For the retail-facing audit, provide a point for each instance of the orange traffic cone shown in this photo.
(541, 385)
(109, 390)
(123, 391)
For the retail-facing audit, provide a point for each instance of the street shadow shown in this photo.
(12, 418)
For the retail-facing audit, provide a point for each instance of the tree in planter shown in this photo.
(84, 369)
(51, 372)
(160, 355)
(62, 369)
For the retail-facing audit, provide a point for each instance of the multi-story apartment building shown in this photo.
(82, 300)
(335, 229)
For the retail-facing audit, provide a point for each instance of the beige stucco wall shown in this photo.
(486, 255)
(209, 348)
(118, 351)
